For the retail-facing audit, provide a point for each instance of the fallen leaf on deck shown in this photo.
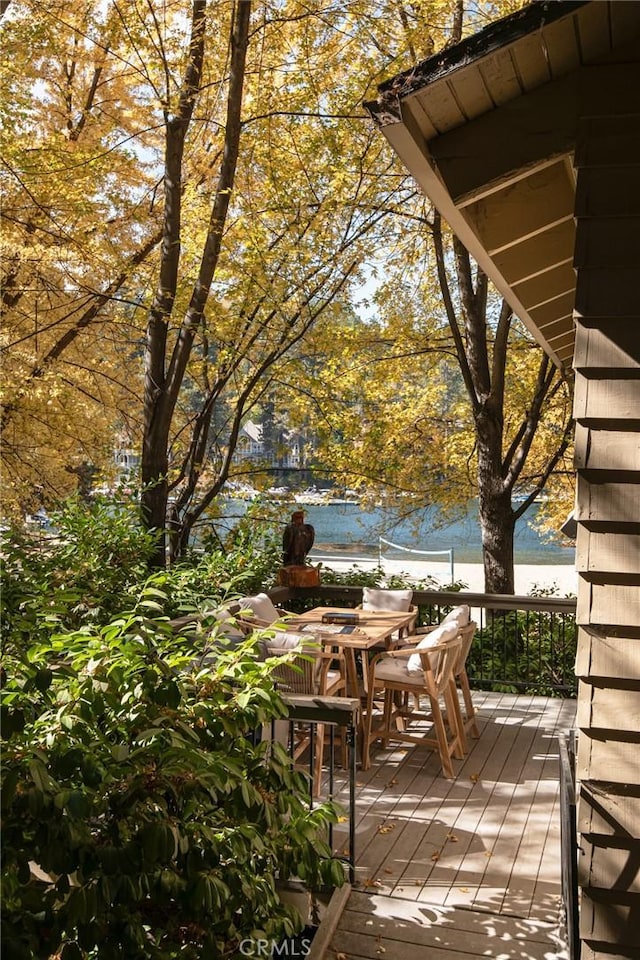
(342, 819)
(474, 777)
(392, 783)
(369, 882)
(436, 855)
(386, 827)
(452, 837)
(386, 870)
(341, 956)
(463, 889)
(488, 853)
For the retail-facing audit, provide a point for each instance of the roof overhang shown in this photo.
(488, 130)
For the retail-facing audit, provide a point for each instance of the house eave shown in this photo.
(488, 129)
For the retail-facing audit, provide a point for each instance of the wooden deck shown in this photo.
(466, 867)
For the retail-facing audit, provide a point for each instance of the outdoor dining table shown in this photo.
(372, 629)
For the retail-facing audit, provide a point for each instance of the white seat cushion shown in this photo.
(445, 631)
(260, 607)
(394, 670)
(374, 599)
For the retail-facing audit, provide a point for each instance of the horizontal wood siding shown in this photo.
(600, 711)
(621, 501)
(607, 413)
(604, 656)
(605, 813)
(614, 552)
(612, 605)
(611, 401)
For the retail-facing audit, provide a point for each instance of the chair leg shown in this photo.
(469, 709)
(457, 720)
(387, 716)
(453, 710)
(443, 743)
(367, 725)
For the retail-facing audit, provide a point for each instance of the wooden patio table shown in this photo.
(372, 629)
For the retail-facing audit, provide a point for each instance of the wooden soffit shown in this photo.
(488, 130)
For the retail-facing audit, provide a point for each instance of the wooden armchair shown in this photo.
(434, 680)
(257, 612)
(381, 599)
(469, 722)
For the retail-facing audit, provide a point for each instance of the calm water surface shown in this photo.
(346, 527)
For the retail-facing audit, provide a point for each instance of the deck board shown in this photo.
(463, 867)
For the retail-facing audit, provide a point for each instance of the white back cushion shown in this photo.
(374, 599)
(459, 615)
(446, 631)
(285, 640)
(261, 607)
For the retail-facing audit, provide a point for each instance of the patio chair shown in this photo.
(425, 671)
(259, 611)
(380, 599)
(460, 615)
(309, 669)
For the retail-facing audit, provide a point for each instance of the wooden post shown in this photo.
(298, 575)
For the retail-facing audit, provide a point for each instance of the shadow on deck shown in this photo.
(465, 867)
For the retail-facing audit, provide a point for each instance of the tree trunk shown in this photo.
(163, 380)
(497, 519)
(497, 524)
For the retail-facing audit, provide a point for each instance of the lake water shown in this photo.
(346, 528)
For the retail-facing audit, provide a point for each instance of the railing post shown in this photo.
(569, 842)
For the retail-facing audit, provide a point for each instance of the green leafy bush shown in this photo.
(140, 818)
(251, 550)
(98, 555)
(85, 572)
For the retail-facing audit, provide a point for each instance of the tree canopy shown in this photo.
(194, 202)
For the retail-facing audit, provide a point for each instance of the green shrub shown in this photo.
(85, 572)
(98, 556)
(140, 819)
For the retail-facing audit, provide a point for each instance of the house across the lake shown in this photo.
(284, 451)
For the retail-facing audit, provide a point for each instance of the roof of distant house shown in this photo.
(253, 431)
